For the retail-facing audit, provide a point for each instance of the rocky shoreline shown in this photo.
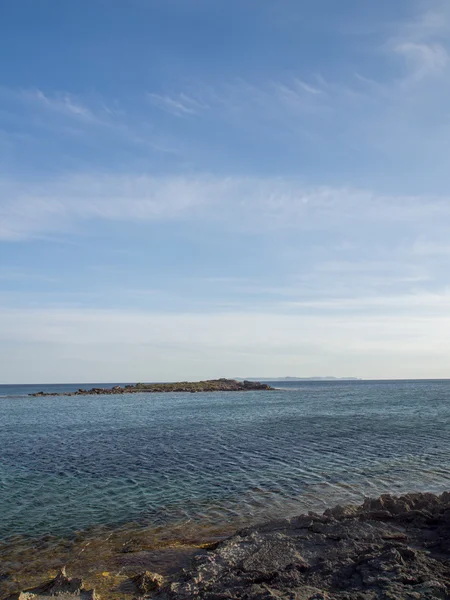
(387, 549)
(210, 385)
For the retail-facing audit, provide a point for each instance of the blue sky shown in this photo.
(204, 188)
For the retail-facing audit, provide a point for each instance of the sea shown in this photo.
(68, 464)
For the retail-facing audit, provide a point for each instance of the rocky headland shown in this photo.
(387, 549)
(210, 385)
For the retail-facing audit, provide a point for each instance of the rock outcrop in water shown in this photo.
(62, 587)
(386, 549)
(210, 385)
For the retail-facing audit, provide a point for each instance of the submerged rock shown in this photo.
(62, 587)
(387, 549)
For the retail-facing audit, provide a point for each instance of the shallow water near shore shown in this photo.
(195, 465)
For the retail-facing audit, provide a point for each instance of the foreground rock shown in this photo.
(147, 582)
(387, 549)
(62, 587)
(210, 385)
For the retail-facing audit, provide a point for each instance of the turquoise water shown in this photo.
(68, 463)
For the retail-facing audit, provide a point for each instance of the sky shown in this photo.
(224, 188)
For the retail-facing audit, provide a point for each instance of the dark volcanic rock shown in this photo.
(387, 549)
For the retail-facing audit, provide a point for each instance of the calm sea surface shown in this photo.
(68, 463)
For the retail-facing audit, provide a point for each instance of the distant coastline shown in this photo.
(299, 379)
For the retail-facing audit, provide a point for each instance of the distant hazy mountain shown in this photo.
(298, 379)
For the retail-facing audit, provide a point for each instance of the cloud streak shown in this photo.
(423, 43)
(66, 104)
(62, 103)
(245, 203)
(425, 60)
(180, 105)
(225, 344)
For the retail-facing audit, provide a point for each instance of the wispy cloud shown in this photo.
(245, 203)
(31, 209)
(294, 113)
(307, 87)
(63, 103)
(90, 118)
(424, 60)
(423, 43)
(424, 302)
(424, 247)
(180, 105)
(18, 274)
(413, 58)
(431, 20)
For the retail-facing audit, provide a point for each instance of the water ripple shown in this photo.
(67, 464)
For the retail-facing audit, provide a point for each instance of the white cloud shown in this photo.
(424, 247)
(424, 60)
(63, 103)
(180, 105)
(149, 346)
(32, 209)
(423, 302)
(307, 87)
(28, 209)
(431, 20)
(423, 42)
(8, 273)
(83, 117)
(387, 111)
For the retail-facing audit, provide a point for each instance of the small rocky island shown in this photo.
(210, 385)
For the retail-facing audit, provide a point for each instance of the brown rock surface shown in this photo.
(61, 587)
(148, 582)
